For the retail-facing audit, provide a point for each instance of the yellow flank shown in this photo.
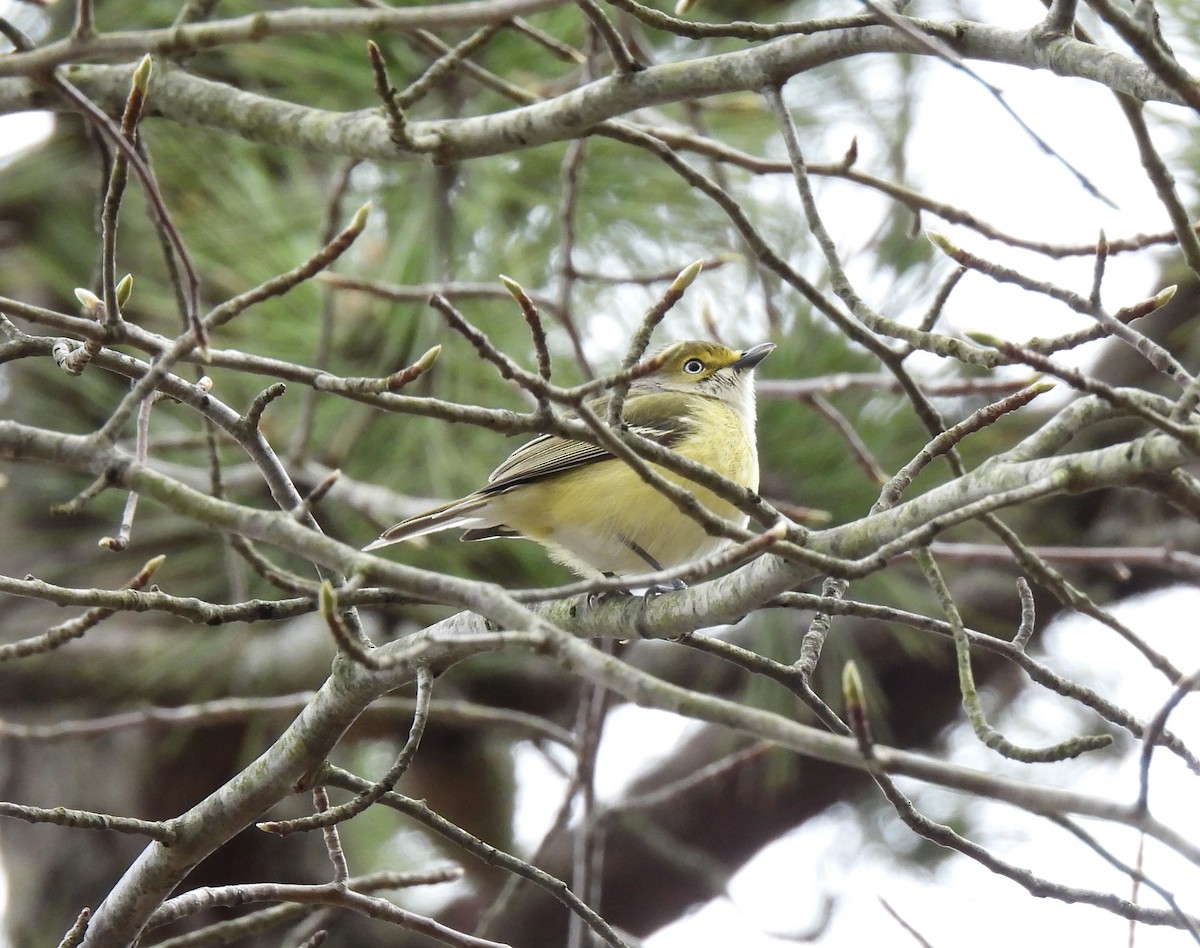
(589, 516)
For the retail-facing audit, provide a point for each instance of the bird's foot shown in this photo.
(659, 588)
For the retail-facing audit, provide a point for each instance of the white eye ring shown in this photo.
(693, 367)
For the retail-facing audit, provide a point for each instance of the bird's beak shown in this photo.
(752, 356)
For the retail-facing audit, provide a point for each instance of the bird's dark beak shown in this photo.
(752, 356)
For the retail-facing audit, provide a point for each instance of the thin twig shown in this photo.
(141, 449)
(323, 350)
(1135, 874)
(198, 900)
(446, 63)
(991, 737)
(331, 816)
(1152, 352)
(96, 116)
(163, 832)
(85, 21)
(264, 920)
(571, 172)
(624, 61)
(333, 841)
(490, 855)
(533, 319)
(641, 337)
(1185, 687)
(118, 176)
(589, 836)
(218, 316)
(61, 634)
(76, 932)
(945, 442)
(736, 29)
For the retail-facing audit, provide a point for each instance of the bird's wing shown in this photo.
(457, 513)
(664, 420)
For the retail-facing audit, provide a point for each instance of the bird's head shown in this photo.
(705, 368)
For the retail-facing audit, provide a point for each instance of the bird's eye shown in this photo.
(693, 367)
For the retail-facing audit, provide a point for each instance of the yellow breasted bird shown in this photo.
(590, 509)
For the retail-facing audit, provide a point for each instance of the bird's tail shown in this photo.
(457, 513)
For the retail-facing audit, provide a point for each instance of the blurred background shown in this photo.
(595, 230)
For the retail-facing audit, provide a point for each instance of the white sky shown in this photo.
(22, 130)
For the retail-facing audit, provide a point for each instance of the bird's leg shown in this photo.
(658, 588)
(655, 590)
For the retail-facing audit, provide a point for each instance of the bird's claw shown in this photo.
(658, 589)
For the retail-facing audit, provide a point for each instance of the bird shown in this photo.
(591, 511)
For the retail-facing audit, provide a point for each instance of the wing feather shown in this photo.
(663, 420)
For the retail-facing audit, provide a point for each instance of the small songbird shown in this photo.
(591, 510)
